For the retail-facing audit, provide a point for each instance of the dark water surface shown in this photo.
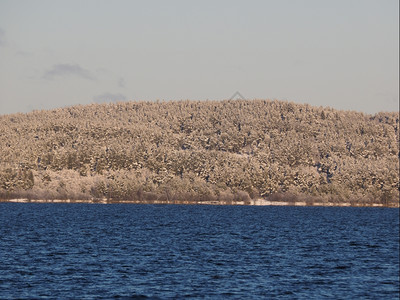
(172, 251)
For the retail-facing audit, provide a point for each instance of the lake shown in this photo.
(127, 251)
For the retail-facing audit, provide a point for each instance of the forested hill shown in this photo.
(201, 150)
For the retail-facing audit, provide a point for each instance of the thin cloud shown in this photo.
(121, 82)
(23, 53)
(109, 97)
(64, 70)
(2, 38)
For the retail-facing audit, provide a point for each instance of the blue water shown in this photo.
(171, 251)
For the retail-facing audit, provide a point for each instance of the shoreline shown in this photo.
(255, 202)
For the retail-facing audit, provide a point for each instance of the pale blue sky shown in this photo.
(342, 54)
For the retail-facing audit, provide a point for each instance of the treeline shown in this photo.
(199, 151)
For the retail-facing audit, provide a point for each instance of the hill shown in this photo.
(223, 151)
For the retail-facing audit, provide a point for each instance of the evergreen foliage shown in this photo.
(226, 151)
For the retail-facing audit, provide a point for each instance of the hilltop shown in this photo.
(221, 151)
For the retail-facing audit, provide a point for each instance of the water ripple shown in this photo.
(169, 252)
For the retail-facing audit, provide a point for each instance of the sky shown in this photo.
(341, 54)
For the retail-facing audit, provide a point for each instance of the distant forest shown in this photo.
(222, 151)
